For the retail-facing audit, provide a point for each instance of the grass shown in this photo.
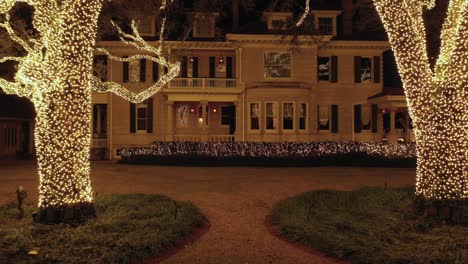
(371, 225)
(129, 229)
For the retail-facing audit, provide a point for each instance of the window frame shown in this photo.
(273, 103)
(371, 70)
(306, 121)
(221, 115)
(277, 65)
(368, 130)
(329, 69)
(329, 130)
(291, 130)
(137, 118)
(331, 26)
(258, 117)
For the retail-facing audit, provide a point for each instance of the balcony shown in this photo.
(202, 83)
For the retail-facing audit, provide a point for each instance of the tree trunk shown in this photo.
(63, 140)
(63, 122)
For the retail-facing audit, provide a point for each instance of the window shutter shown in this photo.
(377, 69)
(229, 67)
(357, 119)
(195, 67)
(184, 67)
(125, 72)
(143, 70)
(334, 117)
(374, 118)
(155, 72)
(357, 69)
(149, 104)
(132, 118)
(334, 69)
(212, 67)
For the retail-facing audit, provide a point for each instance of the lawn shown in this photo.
(128, 229)
(371, 225)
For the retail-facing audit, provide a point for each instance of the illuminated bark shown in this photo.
(437, 100)
(56, 76)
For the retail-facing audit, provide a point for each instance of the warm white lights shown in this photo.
(437, 101)
(56, 75)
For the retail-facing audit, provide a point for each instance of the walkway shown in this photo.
(235, 200)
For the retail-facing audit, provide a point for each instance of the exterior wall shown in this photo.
(251, 86)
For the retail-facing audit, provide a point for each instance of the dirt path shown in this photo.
(235, 200)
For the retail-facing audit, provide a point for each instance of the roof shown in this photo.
(398, 91)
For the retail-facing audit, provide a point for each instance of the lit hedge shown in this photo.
(259, 153)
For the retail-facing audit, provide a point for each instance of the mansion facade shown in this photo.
(253, 87)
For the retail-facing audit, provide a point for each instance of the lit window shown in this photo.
(302, 116)
(254, 116)
(324, 117)
(323, 68)
(325, 25)
(366, 69)
(142, 117)
(288, 116)
(277, 65)
(271, 117)
(366, 116)
(182, 115)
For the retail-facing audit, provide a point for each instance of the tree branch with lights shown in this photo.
(56, 76)
(437, 100)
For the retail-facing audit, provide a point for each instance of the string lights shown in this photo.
(437, 101)
(56, 75)
(268, 151)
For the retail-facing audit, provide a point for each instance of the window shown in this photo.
(288, 116)
(142, 117)
(277, 65)
(146, 26)
(182, 115)
(323, 68)
(271, 117)
(10, 136)
(100, 67)
(366, 116)
(366, 69)
(134, 71)
(278, 24)
(325, 25)
(254, 116)
(100, 121)
(324, 117)
(226, 115)
(302, 116)
(204, 27)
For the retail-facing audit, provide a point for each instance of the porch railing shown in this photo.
(202, 83)
(203, 138)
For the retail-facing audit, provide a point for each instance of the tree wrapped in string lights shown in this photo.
(437, 99)
(56, 75)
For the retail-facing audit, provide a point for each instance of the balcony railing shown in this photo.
(204, 138)
(202, 83)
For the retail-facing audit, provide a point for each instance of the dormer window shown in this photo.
(325, 25)
(204, 25)
(276, 20)
(146, 25)
(325, 21)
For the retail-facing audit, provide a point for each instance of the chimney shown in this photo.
(347, 17)
(235, 16)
